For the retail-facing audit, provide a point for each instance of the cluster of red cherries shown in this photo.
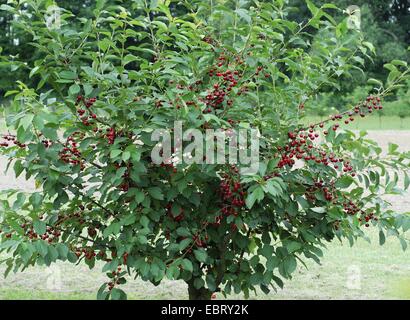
(200, 241)
(352, 209)
(169, 166)
(177, 218)
(115, 279)
(328, 192)
(349, 207)
(77, 216)
(10, 139)
(232, 195)
(125, 185)
(86, 114)
(111, 135)
(70, 153)
(301, 147)
(51, 235)
(227, 80)
(88, 253)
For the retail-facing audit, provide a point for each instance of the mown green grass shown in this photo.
(373, 122)
(27, 294)
(401, 288)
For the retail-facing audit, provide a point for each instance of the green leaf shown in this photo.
(187, 265)
(406, 181)
(126, 156)
(399, 63)
(153, 4)
(183, 232)
(18, 168)
(318, 209)
(52, 253)
(87, 89)
(344, 182)
(156, 193)
(139, 196)
(71, 257)
(110, 266)
(173, 272)
(39, 227)
(375, 81)
(118, 294)
(8, 244)
(144, 221)
(36, 200)
(33, 71)
(403, 243)
(62, 250)
(41, 247)
(382, 238)
(210, 282)
(74, 90)
(27, 121)
(303, 202)
(256, 195)
(69, 75)
(199, 283)
(290, 264)
(113, 228)
(115, 153)
(6, 7)
(393, 148)
(102, 294)
(128, 219)
(272, 263)
(244, 15)
(312, 8)
(200, 255)
(329, 6)
(10, 92)
(293, 246)
(370, 46)
(184, 244)
(142, 239)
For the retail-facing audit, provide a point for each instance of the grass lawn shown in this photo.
(369, 123)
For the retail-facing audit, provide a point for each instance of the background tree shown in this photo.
(384, 23)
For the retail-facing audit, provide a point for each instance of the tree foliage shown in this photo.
(384, 23)
(104, 83)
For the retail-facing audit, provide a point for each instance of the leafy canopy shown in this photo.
(104, 84)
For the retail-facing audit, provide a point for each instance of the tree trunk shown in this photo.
(198, 294)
